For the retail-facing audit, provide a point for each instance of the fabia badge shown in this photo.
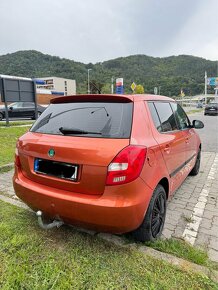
(51, 153)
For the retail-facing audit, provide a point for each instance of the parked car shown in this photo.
(21, 110)
(199, 105)
(107, 162)
(211, 109)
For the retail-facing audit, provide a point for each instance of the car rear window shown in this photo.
(213, 104)
(86, 119)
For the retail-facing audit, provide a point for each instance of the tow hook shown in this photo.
(44, 226)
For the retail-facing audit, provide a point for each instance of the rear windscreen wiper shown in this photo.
(69, 131)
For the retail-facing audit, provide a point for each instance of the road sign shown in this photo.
(212, 81)
(119, 82)
(119, 86)
(133, 86)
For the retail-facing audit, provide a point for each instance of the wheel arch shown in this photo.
(165, 183)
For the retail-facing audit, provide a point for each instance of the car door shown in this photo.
(14, 109)
(28, 109)
(189, 133)
(23, 110)
(171, 141)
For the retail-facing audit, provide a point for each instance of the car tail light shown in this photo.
(127, 165)
(17, 158)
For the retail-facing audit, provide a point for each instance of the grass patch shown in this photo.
(16, 123)
(182, 249)
(194, 111)
(187, 219)
(65, 259)
(8, 137)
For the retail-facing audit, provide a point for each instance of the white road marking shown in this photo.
(191, 231)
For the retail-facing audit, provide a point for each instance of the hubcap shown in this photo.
(158, 215)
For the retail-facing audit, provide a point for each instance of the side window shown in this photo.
(154, 116)
(181, 117)
(28, 105)
(166, 116)
(17, 105)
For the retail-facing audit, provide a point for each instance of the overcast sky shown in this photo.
(98, 30)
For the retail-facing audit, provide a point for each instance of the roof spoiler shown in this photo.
(93, 98)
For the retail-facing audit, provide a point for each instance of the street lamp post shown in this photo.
(159, 89)
(88, 81)
(112, 85)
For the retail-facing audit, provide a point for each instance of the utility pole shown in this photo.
(112, 85)
(89, 69)
(205, 87)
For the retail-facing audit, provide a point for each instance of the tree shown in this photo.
(106, 89)
(139, 89)
(95, 87)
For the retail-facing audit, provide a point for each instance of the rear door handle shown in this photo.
(187, 140)
(167, 148)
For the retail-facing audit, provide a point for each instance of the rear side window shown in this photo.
(154, 116)
(86, 119)
(166, 115)
(181, 117)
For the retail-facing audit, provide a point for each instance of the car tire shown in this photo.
(1, 116)
(38, 115)
(153, 223)
(196, 168)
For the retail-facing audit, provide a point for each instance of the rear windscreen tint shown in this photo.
(110, 120)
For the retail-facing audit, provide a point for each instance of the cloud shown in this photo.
(97, 30)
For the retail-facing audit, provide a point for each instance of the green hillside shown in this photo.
(169, 73)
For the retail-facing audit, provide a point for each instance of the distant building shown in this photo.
(55, 86)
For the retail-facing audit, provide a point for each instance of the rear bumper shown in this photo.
(211, 112)
(120, 209)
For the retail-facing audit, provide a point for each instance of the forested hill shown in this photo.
(169, 73)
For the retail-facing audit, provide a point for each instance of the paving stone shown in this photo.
(213, 243)
(213, 255)
(167, 233)
(206, 223)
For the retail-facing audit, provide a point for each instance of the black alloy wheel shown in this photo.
(153, 223)
(196, 168)
(158, 215)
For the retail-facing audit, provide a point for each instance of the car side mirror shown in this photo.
(11, 108)
(197, 124)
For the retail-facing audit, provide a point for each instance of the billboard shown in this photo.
(17, 89)
(213, 81)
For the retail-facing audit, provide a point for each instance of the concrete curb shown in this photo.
(6, 165)
(14, 202)
(16, 126)
(182, 264)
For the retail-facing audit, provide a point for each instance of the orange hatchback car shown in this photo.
(107, 162)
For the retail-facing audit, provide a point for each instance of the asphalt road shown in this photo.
(209, 134)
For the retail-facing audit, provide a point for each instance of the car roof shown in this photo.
(109, 97)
